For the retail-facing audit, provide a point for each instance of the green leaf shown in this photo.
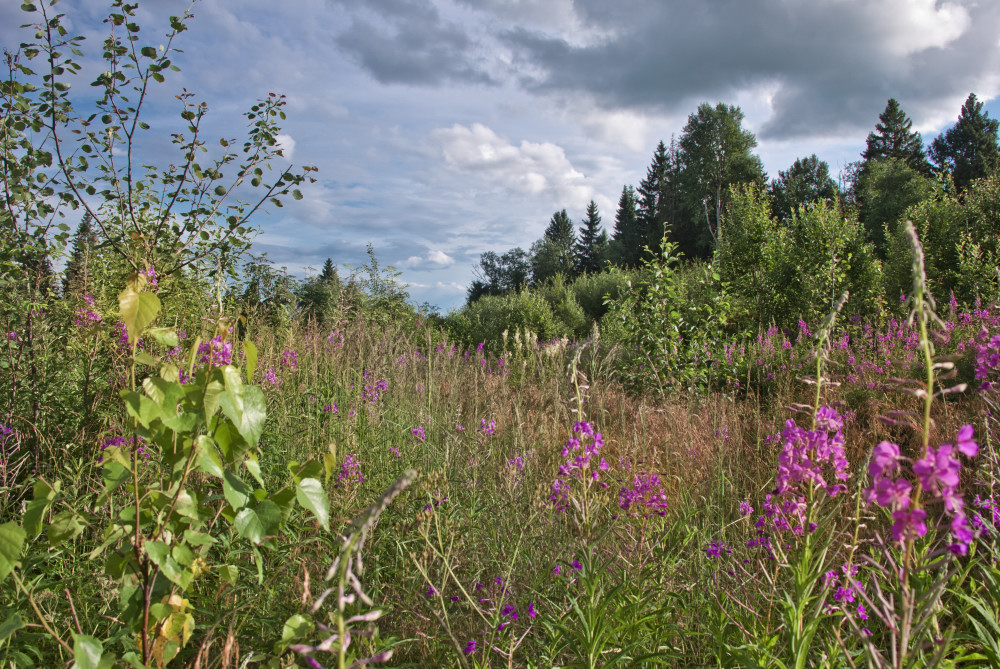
(159, 553)
(257, 523)
(11, 542)
(137, 310)
(296, 627)
(220, 190)
(165, 336)
(244, 406)
(65, 525)
(42, 498)
(213, 389)
(296, 194)
(9, 626)
(208, 457)
(114, 474)
(87, 652)
(148, 52)
(311, 496)
(145, 358)
(250, 351)
(237, 492)
(229, 574)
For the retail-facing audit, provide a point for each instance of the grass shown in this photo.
(475, 541)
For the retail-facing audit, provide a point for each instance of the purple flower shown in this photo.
(489, 429)
(216, 352)
(418, 433)
(908, 524)
(745, 508)
(531, 610)
(470, 647)
(965, 443)
(717, 549)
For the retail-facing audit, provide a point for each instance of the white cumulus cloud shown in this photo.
(533, 168)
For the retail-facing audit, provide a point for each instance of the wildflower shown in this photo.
(716, 549)
(418, 433)
(489, 429)
(531, 610)
(459, 428)
(331, 408)
(350, 471)
(510, 611)
(647, 492)
(578, 451)
(290, 359)
(745, 508)
(908, 524)
(470, 647)
(270, 377)
(85, 316)
(216, 352)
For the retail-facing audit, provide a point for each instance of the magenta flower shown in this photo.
(908, 524)
(965, 443)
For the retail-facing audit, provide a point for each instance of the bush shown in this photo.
(486, 320)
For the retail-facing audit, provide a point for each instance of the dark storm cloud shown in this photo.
(831, 64)
(408, 42)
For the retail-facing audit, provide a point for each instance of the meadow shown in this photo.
(757, 457)
(367, 492)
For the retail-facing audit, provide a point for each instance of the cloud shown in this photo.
(434, 259)
(831, 64)
(408, 42)
(530, 168)
(287, 145)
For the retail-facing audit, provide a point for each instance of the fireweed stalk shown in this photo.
(909, 612)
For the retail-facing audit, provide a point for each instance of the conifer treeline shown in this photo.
(685, 193)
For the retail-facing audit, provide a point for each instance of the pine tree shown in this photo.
(969, 149)
(893, 138)
(590, 249)
(627, 236)
(78, 275)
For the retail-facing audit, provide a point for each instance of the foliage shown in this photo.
(807, 180)
(968, 150)
(591, 248)
(717, 154)
(893, 139)
(499, 274)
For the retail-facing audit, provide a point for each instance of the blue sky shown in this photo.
(445, 128)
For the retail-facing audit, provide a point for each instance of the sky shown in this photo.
(442, 129)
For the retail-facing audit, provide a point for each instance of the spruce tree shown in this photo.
(554, 253)
(78, 275)
(590, 248)
(893, 138)
(329, 274)
(969, 149)
(627, 236)
(649, 212)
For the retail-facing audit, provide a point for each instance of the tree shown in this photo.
(79, 271)
(329, 274)
(885, 190)
(968, 149)
(894, 139)
(649, 213)
(716, 153)
(553, 253)
(592, 246)
(626, 240)
(807, 180)
(500, 274)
